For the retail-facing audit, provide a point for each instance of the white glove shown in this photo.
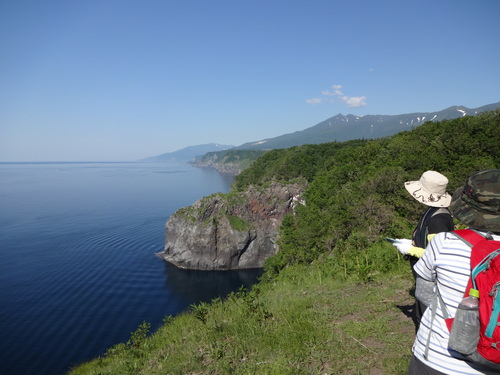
(403, 245)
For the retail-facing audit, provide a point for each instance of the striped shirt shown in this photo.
(446, 263)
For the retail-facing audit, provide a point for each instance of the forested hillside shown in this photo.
(356, 194)
(335, 299)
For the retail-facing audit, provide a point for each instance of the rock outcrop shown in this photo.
(228, 161)
(230, 231)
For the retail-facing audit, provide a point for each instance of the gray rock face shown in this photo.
(229, 231)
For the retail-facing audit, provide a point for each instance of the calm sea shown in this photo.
(78, 271)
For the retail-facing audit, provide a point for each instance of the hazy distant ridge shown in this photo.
(187, 153)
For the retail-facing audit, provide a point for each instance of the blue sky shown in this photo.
(120, 80)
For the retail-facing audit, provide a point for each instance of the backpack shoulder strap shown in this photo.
(469, 236)
(441, 211)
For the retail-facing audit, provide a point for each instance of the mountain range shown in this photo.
(343, 128)
(337, 128)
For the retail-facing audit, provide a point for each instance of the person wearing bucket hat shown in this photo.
(444, 269)
(429, 190)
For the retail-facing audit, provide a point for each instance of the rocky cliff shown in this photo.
(230, 231)
(228, 161)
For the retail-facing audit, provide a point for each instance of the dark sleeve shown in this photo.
(440, 223)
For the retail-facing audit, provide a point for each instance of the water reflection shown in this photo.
(193, 286)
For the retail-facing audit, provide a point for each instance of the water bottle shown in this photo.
(464, 334)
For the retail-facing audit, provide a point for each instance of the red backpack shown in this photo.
(485, 277)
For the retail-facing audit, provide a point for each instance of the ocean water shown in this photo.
(78, 271)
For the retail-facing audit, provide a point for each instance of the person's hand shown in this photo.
(403, 245)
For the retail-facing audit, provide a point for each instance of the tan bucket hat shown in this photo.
(430, 189)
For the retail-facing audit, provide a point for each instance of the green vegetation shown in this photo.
(356, 195)
(187, 213)
(241, 158)
(285, 165)
(332, 300)
(238, 223)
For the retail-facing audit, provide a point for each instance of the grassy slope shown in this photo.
(345, 312)
(306, 321)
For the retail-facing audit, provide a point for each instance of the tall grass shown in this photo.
(307, 320)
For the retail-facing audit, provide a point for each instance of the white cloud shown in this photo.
(351, 101)
(314, 101)
(354, 101)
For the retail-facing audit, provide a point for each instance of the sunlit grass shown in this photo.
(303, 322)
